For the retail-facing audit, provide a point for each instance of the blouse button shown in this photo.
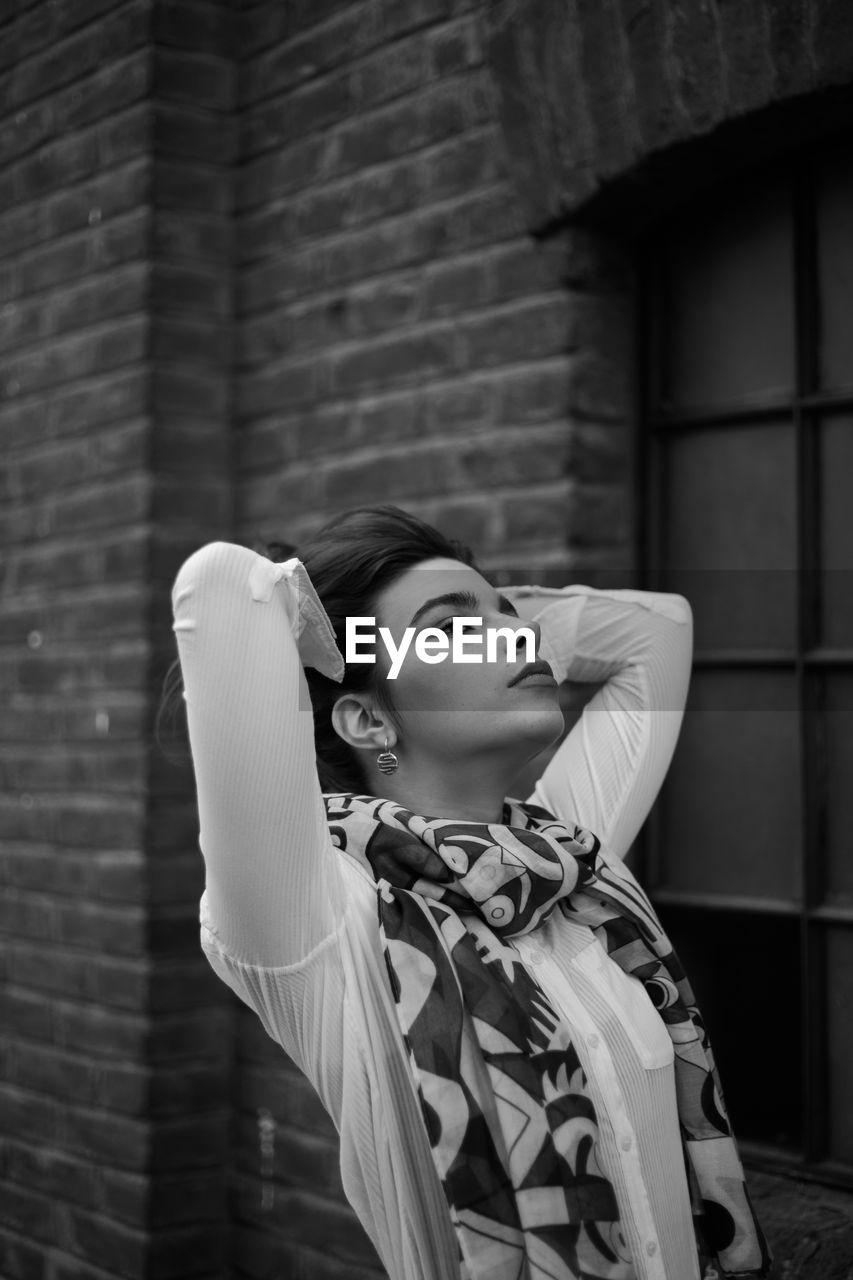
(592, 1041)
(535, 957)
(626, 1144)
(651, 1248)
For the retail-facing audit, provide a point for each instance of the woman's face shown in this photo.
(450, 711)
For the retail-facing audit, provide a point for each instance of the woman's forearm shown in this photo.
(270, 870)
(638, 647)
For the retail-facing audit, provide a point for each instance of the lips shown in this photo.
(539, 668)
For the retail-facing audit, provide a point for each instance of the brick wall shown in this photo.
(324, 194)
(111, 1080)
(398, 334)
(400, 338)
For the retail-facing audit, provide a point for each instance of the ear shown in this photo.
(358, 722)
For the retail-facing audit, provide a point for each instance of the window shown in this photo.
(748, 490)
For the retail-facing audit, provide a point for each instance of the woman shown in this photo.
(476, 987)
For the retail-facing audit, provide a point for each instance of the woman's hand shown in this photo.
(408, 863)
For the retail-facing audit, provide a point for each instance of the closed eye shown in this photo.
(505, 606)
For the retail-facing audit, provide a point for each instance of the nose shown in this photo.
(522, 625)
(537, 632)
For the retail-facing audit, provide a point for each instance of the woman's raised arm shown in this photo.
(271, 873)
(638, 646)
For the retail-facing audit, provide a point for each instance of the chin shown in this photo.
(542, 729)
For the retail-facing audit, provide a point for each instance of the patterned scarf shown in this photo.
(510, 1122)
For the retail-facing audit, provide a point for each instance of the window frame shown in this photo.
(809, 661)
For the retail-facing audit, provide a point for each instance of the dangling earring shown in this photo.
(386, 761)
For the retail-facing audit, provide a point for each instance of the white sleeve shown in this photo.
(638, 646)
(272, 874)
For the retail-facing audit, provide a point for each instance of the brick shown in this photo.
(419, 354)
(455, 47)
(201, 79)
(383, 306)
(123, 342)
(46, 567)
(516, 458)
(540, 515)
(790, 42)
(112, 1246)
(190, 187)
(119, 84)
(50, 1171)
(188, 1034)
(541, 329)
(286, 1094)
(455, 404)
(539, 392)
(260, 1254)
(99, 249)
(116, 398)
(26, 1212)
(111, 876)
(196, 236)
(109, 503)
(25, 1014)
(121, 293)
(349, 33)
(81, 53)
(118, 1034)
(68, 161)
(645, 30)
(20, 1259)
(400, 16)
(290, 169)
(444, 110)
(189, 288)
(26, 130)
(698, 78)
(308, 1220)
(32, 30)
(193, 343)
(390, 73)
(207, 138)
(44, 769)
(194, 26)
(314, 107)
(112, 1086)
(453, 287)
(188, 1144)
(196, 1196)
(300, 1159)
(29, 1117)
(106, 196)
(832, 30)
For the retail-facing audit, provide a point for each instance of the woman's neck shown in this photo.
(471, 794)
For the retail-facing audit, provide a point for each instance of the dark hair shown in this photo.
(350, 561)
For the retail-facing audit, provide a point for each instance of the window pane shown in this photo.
(837, 528)
(838, 734)
(835, 272)
(728, 302)
(745, 973)
(730, 521)
(840, 1013)
(730, 808)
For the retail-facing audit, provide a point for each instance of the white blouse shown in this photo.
(289, 923)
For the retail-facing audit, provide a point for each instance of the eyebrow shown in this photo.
(461, 600)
